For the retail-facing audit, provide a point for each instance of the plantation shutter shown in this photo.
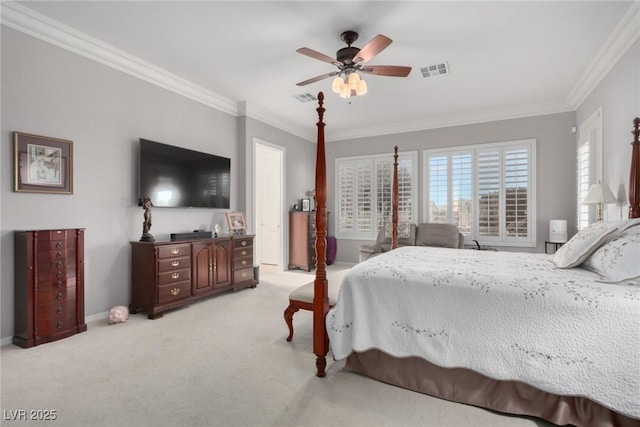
(516, 177)
(461, 188)
(354, 195)
(438, 188)
(489, 184)
(584, 176)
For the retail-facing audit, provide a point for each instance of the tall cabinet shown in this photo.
(302, 240)
(49, 285)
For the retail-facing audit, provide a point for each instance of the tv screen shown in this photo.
(180, 178)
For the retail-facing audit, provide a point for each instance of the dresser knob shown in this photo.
(175, 275)
(175, 263)
(243, 253)
(59, 274)
(244, 275)
(59, 310)
(59, 255)
(244, 243)
(59, 325)
(58, 245)
(59, 284)
(244, 262)
(175, 251)
(60, 296)
(174, 291)
(59, 264)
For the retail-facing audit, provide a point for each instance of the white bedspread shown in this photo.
(510, 316)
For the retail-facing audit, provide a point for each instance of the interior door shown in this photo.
(269, 164)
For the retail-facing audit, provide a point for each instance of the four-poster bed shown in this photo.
(600, 395)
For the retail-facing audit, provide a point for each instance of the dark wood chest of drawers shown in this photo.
(49, 285)
(302, 240)
(166, 275)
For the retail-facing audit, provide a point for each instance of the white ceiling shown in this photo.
(506, 58)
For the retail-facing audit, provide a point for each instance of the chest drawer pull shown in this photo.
(59, 296)
(244, 243)
(58, 245)
(59, 325)
(243, 253)
(59, 264)
(244, 275)
(174, 291)
(59, 284)
(59, 274)
(244, 262)
(175, 251)
(175, 263)
(59, 310)
(59, 255)
(175, 275)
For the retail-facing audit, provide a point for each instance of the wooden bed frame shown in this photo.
(558, 409)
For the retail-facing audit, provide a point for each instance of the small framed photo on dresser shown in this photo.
(42, 164)
(236, 221)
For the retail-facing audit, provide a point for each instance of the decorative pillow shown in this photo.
(583, 244)
(619, 260)
(404, 230)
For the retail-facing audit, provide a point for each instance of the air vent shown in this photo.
(435, 70)
(305, 97)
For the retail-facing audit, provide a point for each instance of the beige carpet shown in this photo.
(223, 361)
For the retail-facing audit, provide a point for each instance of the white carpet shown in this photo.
(223, 361)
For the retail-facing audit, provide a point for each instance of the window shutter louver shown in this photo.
(438, 188)
(516, 184)
(489, 193)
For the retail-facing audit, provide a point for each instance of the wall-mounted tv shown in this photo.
(181, 178)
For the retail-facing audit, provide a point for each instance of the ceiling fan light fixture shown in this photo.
(354, 80)
(362, 88)
(337, 85)
(345, 92)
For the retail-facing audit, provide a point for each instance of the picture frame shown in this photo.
(236, 221)
(306, 205)
(42, 164)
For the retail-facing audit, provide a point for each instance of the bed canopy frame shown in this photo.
(580, 411)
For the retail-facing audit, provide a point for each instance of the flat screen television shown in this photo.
(181, 178)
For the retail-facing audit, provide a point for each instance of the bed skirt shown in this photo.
(466, 386)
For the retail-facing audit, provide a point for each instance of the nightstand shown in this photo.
(557, 245)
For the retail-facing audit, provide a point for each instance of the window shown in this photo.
(589, 167)
(363, 193)
(486, 190)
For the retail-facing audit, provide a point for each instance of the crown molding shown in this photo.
(25, 20)
(263, 115)
(450, 121)
(626, 33)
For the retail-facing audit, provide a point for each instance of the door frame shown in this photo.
(283, 154)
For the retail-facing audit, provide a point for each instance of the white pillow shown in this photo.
(619, 260)
(583, 244)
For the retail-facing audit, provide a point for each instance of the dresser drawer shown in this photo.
(174, 251)
(56, 284)
(173, 264)
(59, 324)
(242, 252)
(173, 292)
(54, 255)
(242, 242)
(58, 311)
(243, 275)
(53, 296)
(174, 277)
(242, 262)
(47, 235)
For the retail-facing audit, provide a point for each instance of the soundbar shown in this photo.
(191, 235)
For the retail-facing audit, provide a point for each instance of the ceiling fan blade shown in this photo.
(387, 70)
(319, 56)
(317, 78)
(372, 48)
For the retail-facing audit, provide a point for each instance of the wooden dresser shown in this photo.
(302, 240)
(166, 275)
(49, 285)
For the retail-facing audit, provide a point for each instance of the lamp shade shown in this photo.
(558, 231)
(599, 193)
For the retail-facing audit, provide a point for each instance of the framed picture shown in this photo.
(236, 221)
(305, 205)
(42, 164)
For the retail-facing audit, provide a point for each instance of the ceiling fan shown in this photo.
(350, 60)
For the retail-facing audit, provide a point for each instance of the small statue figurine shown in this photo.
(146, 225)
(217, 230)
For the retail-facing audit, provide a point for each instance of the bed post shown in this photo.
(634, 178)
(394, 201)
(320, 291)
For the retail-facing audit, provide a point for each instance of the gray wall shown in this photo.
(53, 92)
(619, 96)
(556, 163)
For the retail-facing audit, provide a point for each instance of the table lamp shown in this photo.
(599, 194)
